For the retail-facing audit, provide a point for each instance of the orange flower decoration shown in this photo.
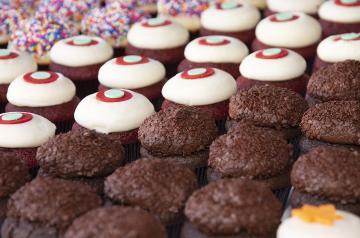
(324, 214)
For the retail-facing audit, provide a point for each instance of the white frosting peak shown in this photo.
(332, 11)
(306, 6)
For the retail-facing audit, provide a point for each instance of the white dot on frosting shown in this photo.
(41, 75)
(132, 58)
(82, 40)
(11, 116)
(114, 93)
(350, 36)
(155, 21)
(229, 5)
(5, 52)
(284, 16)
(271, 52)
(197, 71)
(214, 39)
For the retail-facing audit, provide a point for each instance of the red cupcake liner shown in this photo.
(333, 28)
(28, 155)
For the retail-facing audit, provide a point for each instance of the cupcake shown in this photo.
(279, 67)
(337, 48)
(309, 7)
(327, 175)
(30, 4)
(321, 222)
(339, 81)
(80, 155)
(295, 31)
(232, 208)
(22, 133)
(138, 73)
(339, 16)
(162, 194)
(115, 222)
(160, 39)
(148, 6)
(45, 207)
(257, 153)
(231, 18)
(45, 93)
(116, 113)
(13, 64)
(80, 59)
(333, 123)
(207, 89)
(268, 106)
(221, 52)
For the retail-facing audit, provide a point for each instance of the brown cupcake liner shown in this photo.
(86, 87)
(221, 125)
(64, 126)
(132, 152)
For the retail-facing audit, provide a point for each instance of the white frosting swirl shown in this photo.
(335, 49)
(113, 75)
(204, 91)
(11, 68)
(298, 33)
(306, 6)
(336, 13)
(105, 117)
(289, 67)
(231, 20)
(30, 134)
(77, 55)
(348, 227)
(234, 52)
(24, 94)
(161, 37)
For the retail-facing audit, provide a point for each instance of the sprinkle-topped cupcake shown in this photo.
(148, 6)
(306, 6)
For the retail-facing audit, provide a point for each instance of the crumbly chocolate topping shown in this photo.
(251, 152)
(14, 174)
(339, 81)
(115, 222)
(177, 131)
(80, 153)
(268, 106)
(53, 202)
(158, 186)
(334, 122)
(232, 206)
(329, 172)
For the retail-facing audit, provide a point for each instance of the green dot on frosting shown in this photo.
(348, 1)
(40, 75)
(214, 39)
(284, 16)
(229, 5)
(197, 71)
(5, 52)
(350, 36)
(11, 116)
(114, 93)
(155, 21)
(271, 52)
(82, 40)
(132, 58)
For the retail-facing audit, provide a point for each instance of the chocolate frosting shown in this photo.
(329, 172)
(232, 206)
(339, 81)
(116, 222)
(80, 153)
(269, 106)
(335, 122)
(177, 131)
(53, 202)
(158, 186)
(250, 151)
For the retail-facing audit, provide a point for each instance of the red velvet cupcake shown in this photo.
(295, 31)
(337, 48)
(22, 133)
(160, 39)
(278, 67)
(117, 113)
(309, 7)
(339, 16)
(140, 74)
(231, 19)
(45, 93)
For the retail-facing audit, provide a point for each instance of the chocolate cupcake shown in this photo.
(180, 134)
(333, 123)
(140, 74)
(339, 81)
(309, 7)
(14, 174)
(45, 207)
(22, 133)
(295, 31)
(115, 222)
(279, 67)
(321, 222)
(327, 175)
(80, 59)
(161, 193)
(81, 155)
(160, 39)
(339, 16)
(231, 18)
(247, 151)
(233, 208)
(337, 48)
(45, 93)
(221, 52)
(13, 64)
(268, 106)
